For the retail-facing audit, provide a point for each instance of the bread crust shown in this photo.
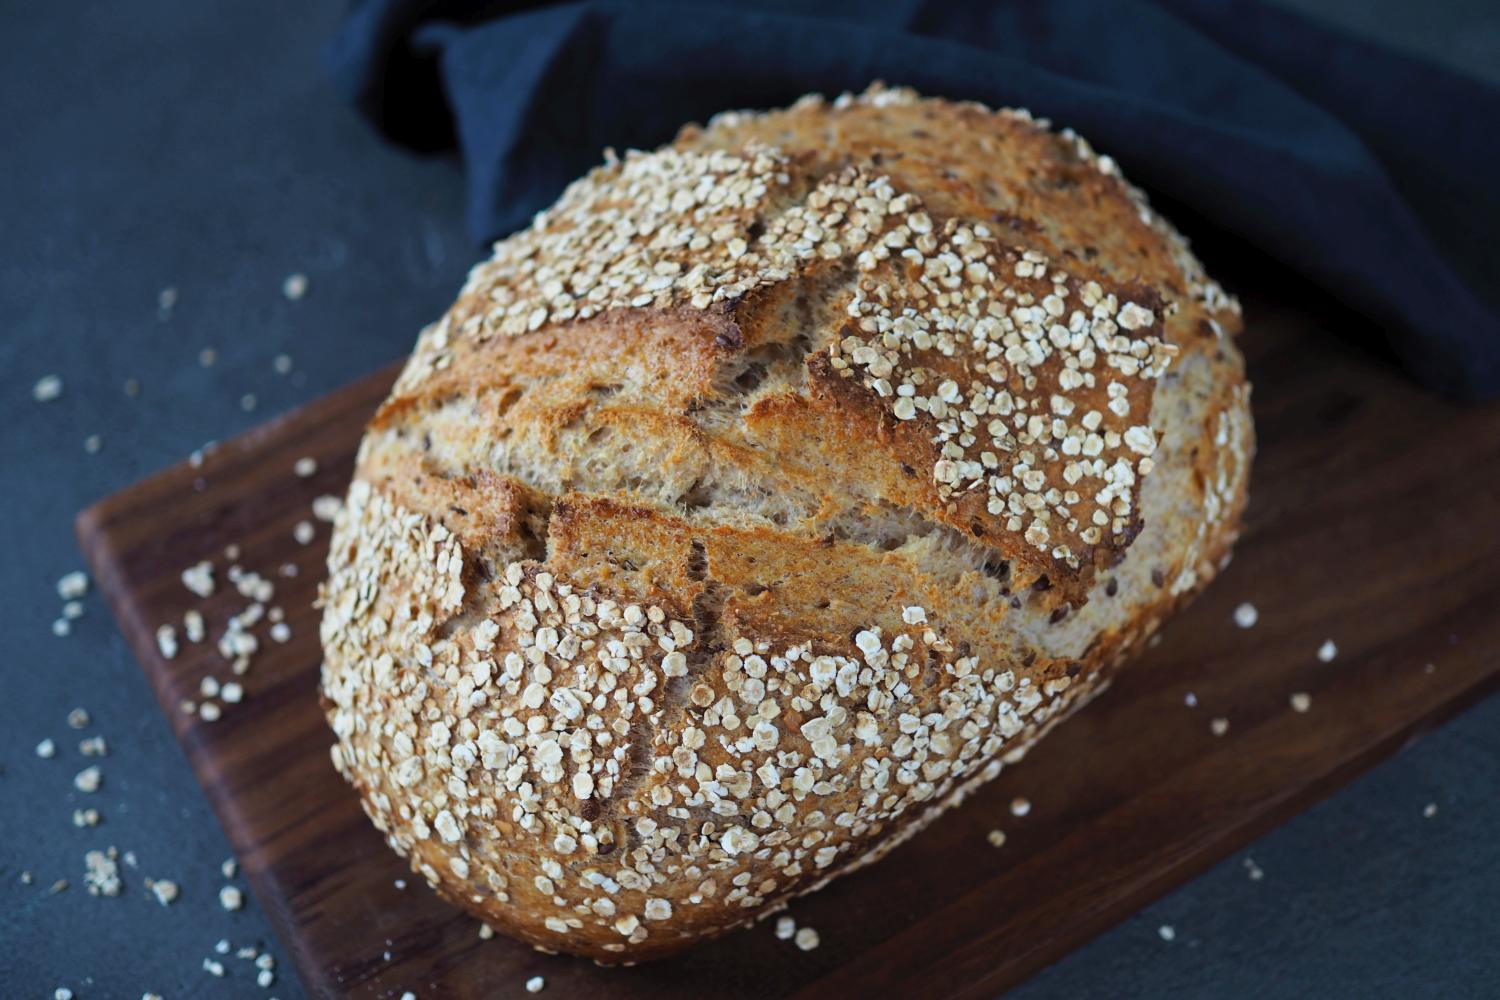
(762, 500)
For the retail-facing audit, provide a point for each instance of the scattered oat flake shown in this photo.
(213, 968)
(46, 749)
(1253, 870)
(1328, 651)
(486, 932)
(93, 443)
(61, 885)
(47, 388)
(232, 693)
(1245, 616)
(1190, 700)
(208, 357)
(306, 466)
(231, 898)
(164, 889)
(535, 984)
(62, 993)
(223, 946)
(806, 938)
(295, 286)
(88, 780)
(1429, 810)
(785, 928)
(62, 628)
(101, 875)
(228, 867)
(1020, 806)
(166, 641)
(78, 718)
(93, 746)
(165, 300)
(199, 578)
(73, 610)
(327, 507)
(1167, 932)
(72, 586)
(304, 532)
(996, 838)
(248, 402)
(85, 817)
(408, 995)
(151, 996)
(282, 364)
(1218, 726)
(247, 952)
(1301, 701)
(264, 978)
(400, 883)
(193, 626)
(210, 711)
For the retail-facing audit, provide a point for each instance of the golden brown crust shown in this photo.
(762, 499)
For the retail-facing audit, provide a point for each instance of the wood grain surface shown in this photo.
(1374, 521)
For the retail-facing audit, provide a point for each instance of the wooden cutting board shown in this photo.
(1374, 521)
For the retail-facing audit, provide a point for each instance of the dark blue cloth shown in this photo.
(1371, 173)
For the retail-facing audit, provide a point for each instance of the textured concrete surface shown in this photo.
(148, 144)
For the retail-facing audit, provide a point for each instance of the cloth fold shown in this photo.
(1370, 172)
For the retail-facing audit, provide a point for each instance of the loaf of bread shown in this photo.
(760, 501)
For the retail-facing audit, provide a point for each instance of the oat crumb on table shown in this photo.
(1246, 615)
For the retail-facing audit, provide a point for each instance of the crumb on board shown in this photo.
(47, 388)
(1020, 806)
(164, 889)
(1218, 726)
(1301, 701)
(1246, 615)
(72, 586)
(294, 286)
(996, 838)
(1328, 651)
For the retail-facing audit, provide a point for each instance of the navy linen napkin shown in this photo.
(1373, 174)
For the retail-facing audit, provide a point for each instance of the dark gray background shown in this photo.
(195, 144)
